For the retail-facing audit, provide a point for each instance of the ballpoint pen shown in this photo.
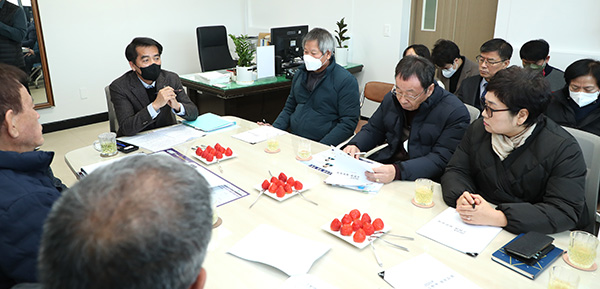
(473, 200)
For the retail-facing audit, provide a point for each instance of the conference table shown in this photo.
(343, 266)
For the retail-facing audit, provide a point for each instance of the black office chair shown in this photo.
(213, 50)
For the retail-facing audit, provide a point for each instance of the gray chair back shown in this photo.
(473, 112)
(112, 116)
(590, 146)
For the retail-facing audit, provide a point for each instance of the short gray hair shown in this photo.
(142, 222)
(323, 37)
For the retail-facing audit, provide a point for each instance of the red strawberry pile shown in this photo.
(282, 185)
(361, 226)
(210, 153)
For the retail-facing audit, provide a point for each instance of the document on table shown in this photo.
(222, 191)
(448, 228)
(164, 138)
(285, 251)
(260, 134)
(425, 272)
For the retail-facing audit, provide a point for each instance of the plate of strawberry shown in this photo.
(355, 228)
(281, 187)
(210, 155)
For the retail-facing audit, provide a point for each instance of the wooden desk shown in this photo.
(264, 98)
(343, 266)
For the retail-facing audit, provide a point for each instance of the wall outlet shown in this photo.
(387, 30)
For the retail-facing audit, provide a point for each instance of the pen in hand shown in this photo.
(473, 200)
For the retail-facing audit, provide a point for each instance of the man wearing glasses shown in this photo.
(421, 122)
(494, 55)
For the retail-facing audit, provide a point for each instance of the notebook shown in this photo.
(209, 122)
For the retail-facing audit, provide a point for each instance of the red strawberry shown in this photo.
(209, 149)
(280, 192)
(359, 236)
(357, 224)
(346, 230)
(272, 187)
(209, 158)
(355, 214)
(199, 151)
(298, 186)
(274, 179)
(368, 228)
(287, 188)
(265, 185)
(291, 181)
(335, 225)
(219, 155)
(282, 177)
(228, 152)
(218, 147)
(366, 218)
(378, 224)
(346, 219)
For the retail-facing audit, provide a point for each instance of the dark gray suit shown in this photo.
(130, 100)
(469, 69)
(469, 93)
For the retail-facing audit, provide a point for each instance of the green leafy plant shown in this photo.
(340, 37)
(244, 50)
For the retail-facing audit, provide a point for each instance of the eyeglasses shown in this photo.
(490, 111)
(410, 97)
(482, 59)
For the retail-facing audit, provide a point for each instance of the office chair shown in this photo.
(112, 116)
(590, 146)
(36, 74)
(473, 112)
(213, 50)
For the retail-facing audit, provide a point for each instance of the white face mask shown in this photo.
(447, 73)
(582, 98)
(312, 63)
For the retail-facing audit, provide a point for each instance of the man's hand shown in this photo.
(353, 151)
(383, 174)
(166, 96)
(30, 52)
(474, 209)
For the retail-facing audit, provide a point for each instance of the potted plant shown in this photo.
(245, 52)
(341, 51)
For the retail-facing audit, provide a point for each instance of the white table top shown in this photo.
(344, 266)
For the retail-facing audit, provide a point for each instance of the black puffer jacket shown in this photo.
(436, 130)
(539, 186)
(562, 113)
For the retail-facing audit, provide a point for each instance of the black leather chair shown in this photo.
(213, 50)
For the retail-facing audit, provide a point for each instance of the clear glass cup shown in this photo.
(424, 192)
(563, 278)
(106, 144)
(304, 151)
(582, 249)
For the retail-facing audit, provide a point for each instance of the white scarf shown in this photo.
(503, 145)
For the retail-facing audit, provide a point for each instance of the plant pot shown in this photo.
(341, 56)
(244, 75)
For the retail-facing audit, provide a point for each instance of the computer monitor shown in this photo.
(288, 42)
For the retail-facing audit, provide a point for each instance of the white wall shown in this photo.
(85, 43)
(570, 27)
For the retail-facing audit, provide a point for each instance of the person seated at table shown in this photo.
(520, 160)
(142, 222)
(453, 68)
(577, 105)
(416, 111)
(323, 104)
(535, 55)
(417, 50)
(28, 187)
(148, 97)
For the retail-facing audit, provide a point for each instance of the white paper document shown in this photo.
(285, 251)
(306, 281)
(265, 61)
(164, 138)
(425, 272)
(448, 228)
(260, 134)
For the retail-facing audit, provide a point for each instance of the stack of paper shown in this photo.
(213, 77)
(260, 134)
(209, 122)
(349, 172)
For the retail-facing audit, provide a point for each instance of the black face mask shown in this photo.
(151, 72)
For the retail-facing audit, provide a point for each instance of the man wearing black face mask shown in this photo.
(147, 97)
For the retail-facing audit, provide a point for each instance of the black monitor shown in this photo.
(288, 43)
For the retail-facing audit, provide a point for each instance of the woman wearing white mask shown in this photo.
(323, 104)
(577, 105)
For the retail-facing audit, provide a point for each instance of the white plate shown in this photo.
(214, 159)
(287, 196)
(349, 239)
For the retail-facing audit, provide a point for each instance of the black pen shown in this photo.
(473, 200)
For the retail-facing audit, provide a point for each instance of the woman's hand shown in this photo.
(474, 209)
